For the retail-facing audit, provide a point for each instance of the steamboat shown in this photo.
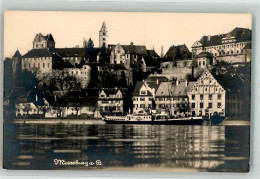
(144, 118)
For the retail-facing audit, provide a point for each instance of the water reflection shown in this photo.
(212, 148)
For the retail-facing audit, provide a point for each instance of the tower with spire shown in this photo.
(162, 53)
(103, 36)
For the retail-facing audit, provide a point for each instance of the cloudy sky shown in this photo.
(150, 29)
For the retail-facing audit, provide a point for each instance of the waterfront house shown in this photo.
(144, 95)
(172, 98)
(112, 101)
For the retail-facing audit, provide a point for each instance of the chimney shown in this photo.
(177, 82)
(209, 37)
(186, 83)
(36, 98)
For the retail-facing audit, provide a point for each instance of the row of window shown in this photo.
(112, 108)
(111, 101)
(39, 65)
(193, 105)
(142, 105)
(209, 97)
(233, 105)
(78, 73)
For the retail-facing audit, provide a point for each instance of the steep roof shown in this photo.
(30, 96)
(171, 89)
(47, 37)
(150, 84)
(240, 34)
(231, 83)
(178, 52)
(132, 49)
(152, 53)
(71, 52)
(76, 102)
(44, 52)
(17, 54)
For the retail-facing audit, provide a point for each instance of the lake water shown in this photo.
(109, 146)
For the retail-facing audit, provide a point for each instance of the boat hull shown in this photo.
(163, 122)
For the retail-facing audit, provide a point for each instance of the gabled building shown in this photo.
(225, 45)
(111, 101)
(31, 104)
(126, 54)
(172, 98)
(179, 52)
(43, 41)
(144, 95)
(207, 96)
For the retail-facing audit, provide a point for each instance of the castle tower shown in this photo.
(17, 69)
(103, 36)
(41, 41)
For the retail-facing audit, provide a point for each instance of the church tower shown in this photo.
(103, 36)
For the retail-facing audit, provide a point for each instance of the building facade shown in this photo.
(230, 44)
(111, 101)
(171, 98)
(40, 41)
(144, 95)
(41, 59)
(207, 96)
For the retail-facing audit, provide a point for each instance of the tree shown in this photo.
(122, 81)
(62, 80)
(31, 79)
(103, 56)
(93, 77)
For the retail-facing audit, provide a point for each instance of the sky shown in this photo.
(151, 29)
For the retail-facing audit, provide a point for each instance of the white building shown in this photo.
(225, 45)
(207, 96)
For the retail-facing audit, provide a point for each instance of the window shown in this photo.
(203, 63)
(106, 108)
(193, 105)
(219, 96)
(238, 106)
(143, 92)
(160, 99)
(199, 63)
(39, 65)
(104, 102)
(48, 65)
(118, 108)
(43, 65)
(201, 105)
(101, 108)
(210, 96)
(142, 105)
(193, 96)
(133, 99)
(104, 39)
(219, 105)
(142, 99)
(168, 105)
(201, 97)
(104, 33)
(210, 105)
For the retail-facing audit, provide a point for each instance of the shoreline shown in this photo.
(226, 122)
(57, 121)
